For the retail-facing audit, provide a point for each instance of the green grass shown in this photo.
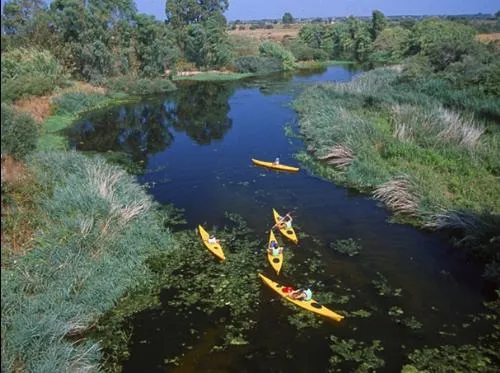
(213, 76)
(418, 157)
(98, 227)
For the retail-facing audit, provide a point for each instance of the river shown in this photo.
(194, 148)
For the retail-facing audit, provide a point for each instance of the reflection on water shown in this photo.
(146, 128)
(201, 110)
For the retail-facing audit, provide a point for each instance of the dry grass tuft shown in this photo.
(38, 107)
(453, 220)
(340, 156)
(14, 173)
(17, 208)
(397, 195)
(459, 128)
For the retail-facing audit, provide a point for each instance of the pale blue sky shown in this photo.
(258, 9)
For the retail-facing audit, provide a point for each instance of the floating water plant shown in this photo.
(349, 247)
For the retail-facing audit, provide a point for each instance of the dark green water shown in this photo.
(194, 147)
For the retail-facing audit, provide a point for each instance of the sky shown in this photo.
(265, 9)
(260, 9)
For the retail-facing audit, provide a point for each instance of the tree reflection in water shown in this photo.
(200, 109)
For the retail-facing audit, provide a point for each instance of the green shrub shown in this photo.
(76, 102)
(30, 72)
(19, 133)
(303, 52)
(272, 49)
(257, 65)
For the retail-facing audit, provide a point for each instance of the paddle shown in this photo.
(283, 218)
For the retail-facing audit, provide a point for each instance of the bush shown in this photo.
(76, 102)
(30, 72)
(139, 87)
(19, 133)
(303, 52)
(257, 65)
(272, 49)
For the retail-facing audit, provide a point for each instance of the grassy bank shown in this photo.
(309, 65)
(434, 167)
(213, 76)
(95, 226)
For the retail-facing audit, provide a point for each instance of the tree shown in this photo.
(360, 36)
(379, 22)
(287, 18)
(181, 13)
(155, 46)
(444, 42)
(392, 44)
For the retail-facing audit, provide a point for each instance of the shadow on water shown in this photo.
(201, 139)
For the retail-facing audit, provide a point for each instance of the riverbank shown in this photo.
(93, 226)
(434, 167)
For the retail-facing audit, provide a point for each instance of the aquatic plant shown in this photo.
(349, 246)
(383, 287)
(361, 313)
(196, 282)
(466, 358)
(358, 356)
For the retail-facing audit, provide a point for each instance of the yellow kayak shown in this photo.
(288, 233)
(275, 166)
(276, 261)
(310, 305)
(213, 247)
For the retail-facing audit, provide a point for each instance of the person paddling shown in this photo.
(274, 249)
(212, 240)
(285, 222)
(301, 294)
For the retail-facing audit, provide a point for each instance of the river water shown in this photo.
(194, 148)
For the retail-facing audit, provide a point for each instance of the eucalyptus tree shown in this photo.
(200, 29)
(155, 46)
(181, 13)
